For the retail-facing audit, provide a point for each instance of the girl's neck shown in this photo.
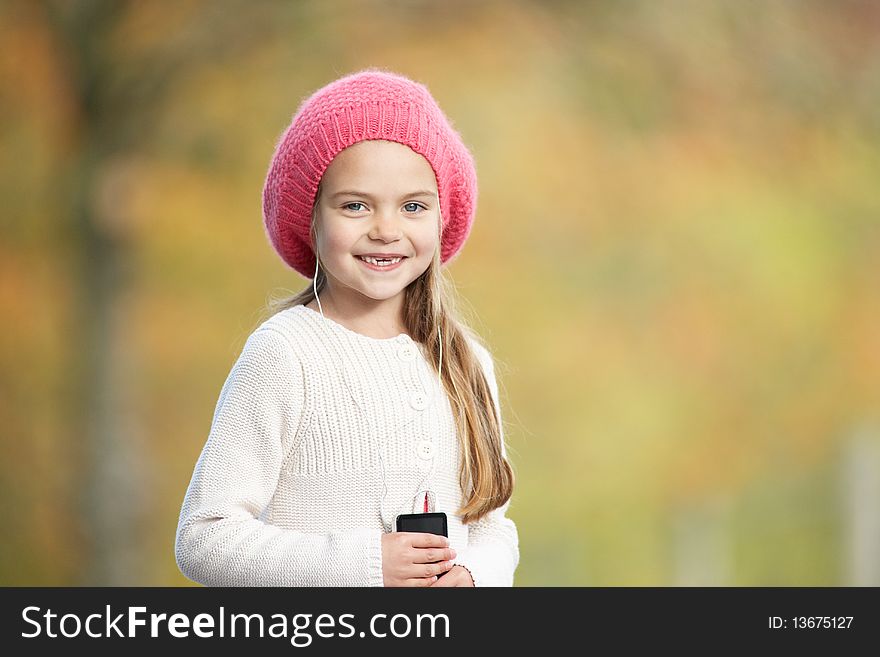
(380, 320)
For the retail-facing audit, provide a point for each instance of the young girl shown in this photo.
(362, 397)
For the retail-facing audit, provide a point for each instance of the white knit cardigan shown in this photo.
(321, 436)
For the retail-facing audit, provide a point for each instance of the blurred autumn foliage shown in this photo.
(675, 261)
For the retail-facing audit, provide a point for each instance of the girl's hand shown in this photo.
(457, 576)
(407, 558)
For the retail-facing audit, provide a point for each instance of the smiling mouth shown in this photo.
(380, 262)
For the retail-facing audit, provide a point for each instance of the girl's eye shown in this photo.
(411, 207)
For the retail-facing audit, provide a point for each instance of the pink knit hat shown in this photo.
(369, 104)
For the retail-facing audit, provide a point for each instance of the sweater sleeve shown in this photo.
(221, 538)
(492, 553)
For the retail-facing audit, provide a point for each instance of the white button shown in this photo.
(425, 449)
(406, 353)
(418, 400)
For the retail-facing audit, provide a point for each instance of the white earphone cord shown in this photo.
(429, 476)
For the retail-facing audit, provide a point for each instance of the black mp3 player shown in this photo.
(429, 523)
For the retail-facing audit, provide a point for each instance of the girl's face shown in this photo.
(378, 198)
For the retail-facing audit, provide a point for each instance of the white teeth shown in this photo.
(381, 263)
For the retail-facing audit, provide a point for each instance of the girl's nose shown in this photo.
(386, 226)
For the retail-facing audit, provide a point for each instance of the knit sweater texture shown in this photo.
(321, 436)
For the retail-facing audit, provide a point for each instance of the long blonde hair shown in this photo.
(429, 302)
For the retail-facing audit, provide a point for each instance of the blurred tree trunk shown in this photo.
(115, 102)
(112, 503)
(702, 544)
(861, 492)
